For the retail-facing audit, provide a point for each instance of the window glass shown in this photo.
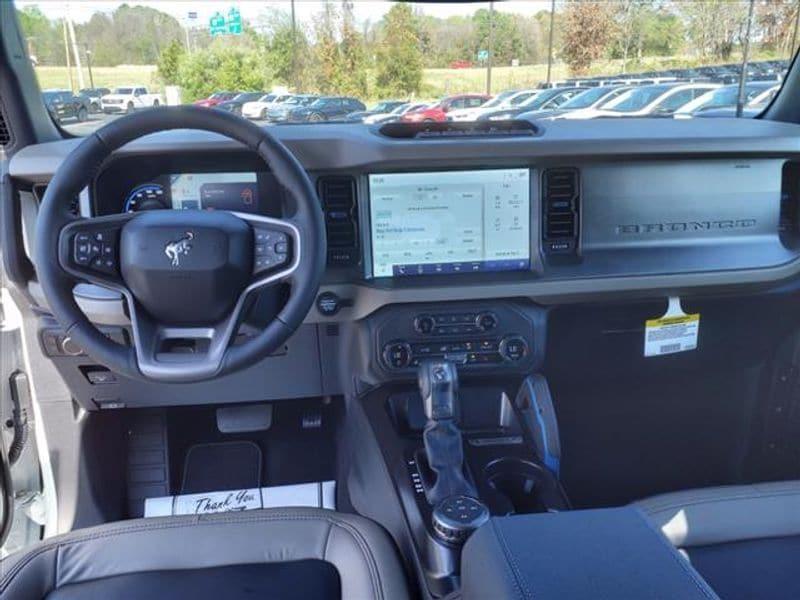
(165, 52)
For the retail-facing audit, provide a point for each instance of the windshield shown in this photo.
(515, 53)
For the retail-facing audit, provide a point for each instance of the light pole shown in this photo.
(745, 56)
(794, 32)
(89, 66)
(550, 41)
(491, 50)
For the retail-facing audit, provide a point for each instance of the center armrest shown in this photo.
(604, 553)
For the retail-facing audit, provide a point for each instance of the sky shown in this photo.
(82, 10)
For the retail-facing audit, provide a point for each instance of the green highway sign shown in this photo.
(234, 21)
(229, 23)
(216, 24)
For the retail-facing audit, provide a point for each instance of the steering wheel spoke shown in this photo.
(276, 250)
(89, 249)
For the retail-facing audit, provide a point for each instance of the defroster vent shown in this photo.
(338, 195)
(560, 210)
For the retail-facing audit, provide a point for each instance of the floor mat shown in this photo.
(221, 466)
(292, 451)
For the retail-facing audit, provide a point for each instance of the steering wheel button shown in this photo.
(281, 247)
(260, 249)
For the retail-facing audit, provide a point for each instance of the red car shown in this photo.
(216, 98)
(438, 112)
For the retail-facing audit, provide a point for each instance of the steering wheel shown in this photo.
(184, 275)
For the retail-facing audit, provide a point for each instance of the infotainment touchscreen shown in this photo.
(450, 222)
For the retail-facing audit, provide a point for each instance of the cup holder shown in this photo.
(515, 482)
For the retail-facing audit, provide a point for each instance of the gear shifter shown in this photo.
(438, 385)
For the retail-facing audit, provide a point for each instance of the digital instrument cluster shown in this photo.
(197, 191)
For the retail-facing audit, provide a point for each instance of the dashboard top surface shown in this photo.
(336, 146)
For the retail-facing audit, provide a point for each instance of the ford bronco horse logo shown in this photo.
(173, 250)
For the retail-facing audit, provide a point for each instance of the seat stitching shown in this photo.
(194, 522)
(682, 563)
(368, 556)
(511, 562)
(719, 499)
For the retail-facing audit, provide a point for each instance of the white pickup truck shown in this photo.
(129, 98)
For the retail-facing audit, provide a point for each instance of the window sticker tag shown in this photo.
(674, 332)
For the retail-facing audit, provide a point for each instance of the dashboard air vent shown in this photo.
(5, 132)
(789, 226)
(338, 195)
(74, 206)
(560, 210)
(459, 129)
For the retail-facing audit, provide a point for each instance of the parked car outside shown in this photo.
(215, 99)
(394, 115)
(653, 100)
(94, 96)
(506, 99)
(127, 99)
(63, 104)
(756, 93)
(258, 109)
(278, 113)
(382, 107)
(585, 101)
(234, 105)
(438, 112)
(546, 99)
(326, 108)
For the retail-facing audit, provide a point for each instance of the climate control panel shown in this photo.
(499, 337)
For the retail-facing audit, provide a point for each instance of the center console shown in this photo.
(459, 447)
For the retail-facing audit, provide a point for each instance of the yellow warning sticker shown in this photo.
(671, 333)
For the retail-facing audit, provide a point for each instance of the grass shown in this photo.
(110, 77)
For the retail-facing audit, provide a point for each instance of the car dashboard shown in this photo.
(457, 246)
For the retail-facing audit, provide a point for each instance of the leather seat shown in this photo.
(275, 553)
(744, 540)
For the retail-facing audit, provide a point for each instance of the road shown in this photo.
(97, 120)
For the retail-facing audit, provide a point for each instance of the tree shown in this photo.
(352, 75)
(586, 35)
(288, 49)
(129, 35)
(169, 61)
(398, 62)
(43, 36)
(222, 67)
(507, 43)
(326, 49)
(714, 26)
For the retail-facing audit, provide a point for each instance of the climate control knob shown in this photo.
(486, 321)
(424, 324)
(397, 355)
(513, 348)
